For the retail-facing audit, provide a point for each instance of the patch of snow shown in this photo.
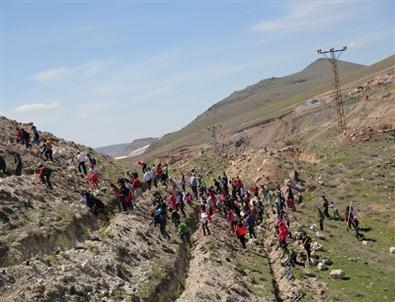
(134, 153)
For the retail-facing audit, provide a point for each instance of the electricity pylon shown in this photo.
(334, 54)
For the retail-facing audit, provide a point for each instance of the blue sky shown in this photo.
(103, 72)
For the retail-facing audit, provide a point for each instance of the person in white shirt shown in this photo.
(148, 176)
(81, 163)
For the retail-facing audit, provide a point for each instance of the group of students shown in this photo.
(91, 174)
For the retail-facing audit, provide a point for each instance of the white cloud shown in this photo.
(77, 72)
(37, 106)
(303, 16)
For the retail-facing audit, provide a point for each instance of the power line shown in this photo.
(333, 55)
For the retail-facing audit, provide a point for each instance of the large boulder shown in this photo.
(327, 260)
(313, 261)
(337, 274)
(322, 266)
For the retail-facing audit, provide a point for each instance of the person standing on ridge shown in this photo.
(93, 178)
(81, 163)
(36, 135)
(26, 138)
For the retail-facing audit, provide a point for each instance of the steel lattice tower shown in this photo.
(334, 54)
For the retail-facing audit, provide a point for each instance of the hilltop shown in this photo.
(264, 100)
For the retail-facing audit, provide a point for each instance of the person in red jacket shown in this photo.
(239, 186)
(44, 175)
(241, 231)
(137, 188)
(93, 178)
(231, 219)
(171, 201)
(283, 232)
(255, 190)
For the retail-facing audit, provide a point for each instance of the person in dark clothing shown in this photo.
(26, 138)
(306, 241)
(250, 222)
(163, 219)
(36, 135)
(204, 217)
(3, 165)
(194, 186)
(325, 206)
(125, 196)
(18, 163)
(47, 150)
(175, 218)
(321, 218)
(292, 257)
(96, 205)
(91, 160)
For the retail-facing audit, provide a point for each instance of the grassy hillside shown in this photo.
(265, 99)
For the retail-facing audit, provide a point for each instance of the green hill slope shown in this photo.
(265, 99)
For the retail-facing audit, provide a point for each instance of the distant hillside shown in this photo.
(266, 99)
(112, 150)
(124, 150)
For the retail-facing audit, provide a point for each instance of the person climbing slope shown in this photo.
(250, 222)
(44, 174)
(36, 135)
(26, 138)
(81, 163)
(91, 160)
(241, 231)
(175, 217)
(137, 188)
(184, 233)
(18, 163)
(3, 165)
(93, 178)
(283, 232)
(47, 150)
(204, 217)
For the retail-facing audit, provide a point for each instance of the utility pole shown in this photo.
(213, 129)
(334, 54)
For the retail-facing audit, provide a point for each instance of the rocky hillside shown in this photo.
(53, 248)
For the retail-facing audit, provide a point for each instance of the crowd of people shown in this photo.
(242, 208)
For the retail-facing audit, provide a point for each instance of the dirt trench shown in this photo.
(173, 283)
(284, 285)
